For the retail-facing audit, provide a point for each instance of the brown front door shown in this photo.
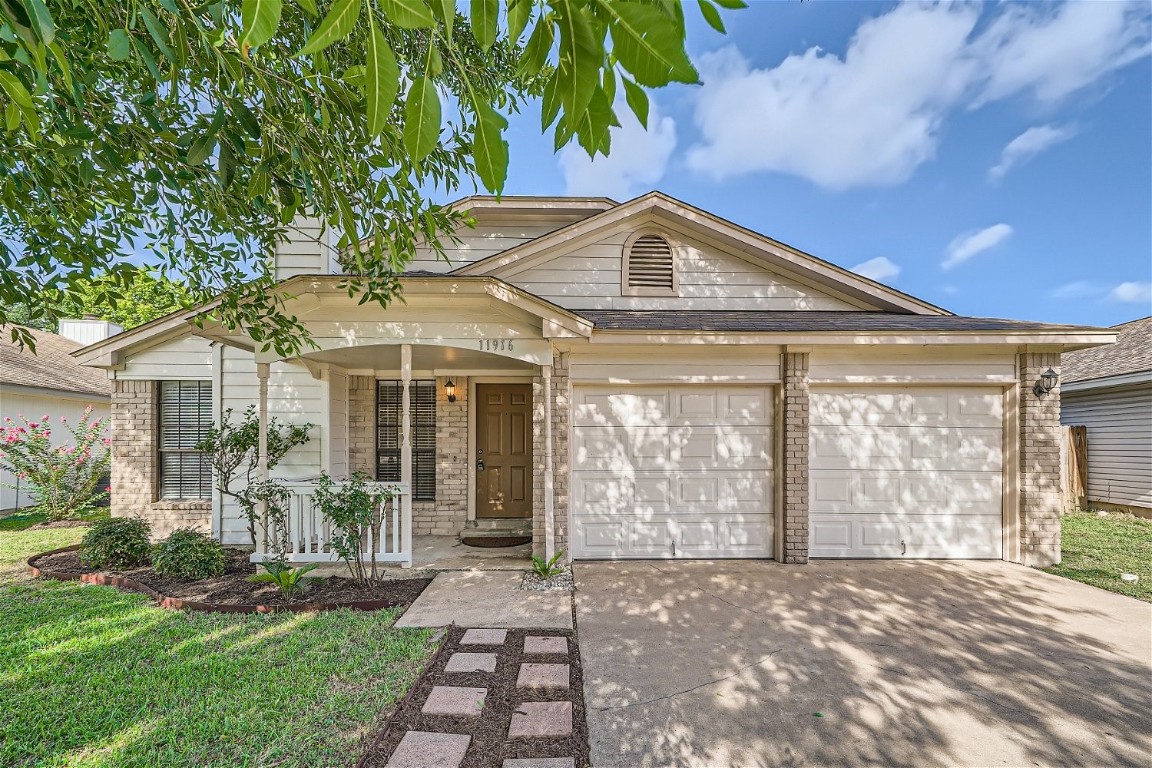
(503, 450)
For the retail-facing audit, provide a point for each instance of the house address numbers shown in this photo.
(495, 345)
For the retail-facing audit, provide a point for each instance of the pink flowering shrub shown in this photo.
(66, 479)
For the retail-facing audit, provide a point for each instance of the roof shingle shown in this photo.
(1131, 353)
(51, 366)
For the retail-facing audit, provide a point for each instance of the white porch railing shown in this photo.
(308, 536)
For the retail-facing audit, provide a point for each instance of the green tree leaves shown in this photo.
(337, 25)
(259, 19)
(421, 118)
(381, 79)
(649, 43)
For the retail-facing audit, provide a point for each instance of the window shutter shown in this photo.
(422, 411)
(651, 264)
(185, 418)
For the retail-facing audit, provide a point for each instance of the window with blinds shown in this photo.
(422, 411)
(185, 417)
(649, 266)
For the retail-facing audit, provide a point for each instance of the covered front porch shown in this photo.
(450, 402)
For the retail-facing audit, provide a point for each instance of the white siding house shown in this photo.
(49, 382)
(1109, 391)
(625, 380)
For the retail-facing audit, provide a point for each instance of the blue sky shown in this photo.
(994, 159)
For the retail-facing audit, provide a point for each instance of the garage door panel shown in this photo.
(710, 535)
(670, 449)
(664, 407)
(912, 472)
(597, 494)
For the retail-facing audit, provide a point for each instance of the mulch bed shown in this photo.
(490, 746)
(232, 592)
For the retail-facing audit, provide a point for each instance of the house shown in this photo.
(50, 382)
(636, 380)
(1109, 391)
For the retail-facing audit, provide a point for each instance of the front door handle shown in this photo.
(480, 465)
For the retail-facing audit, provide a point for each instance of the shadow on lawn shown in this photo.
(93, 676)
(906, 663)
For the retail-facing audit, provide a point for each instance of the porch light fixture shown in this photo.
(450, 390)
(1045, 383)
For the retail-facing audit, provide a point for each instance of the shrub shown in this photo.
(189, 554)
(354, 509)
(546, 569)
(119, 542)
(66, 479)
(291, 581)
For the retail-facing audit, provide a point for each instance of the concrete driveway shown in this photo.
(860, 662)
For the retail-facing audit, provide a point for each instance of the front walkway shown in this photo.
(487, 599)
(860, 662)
(446, 553)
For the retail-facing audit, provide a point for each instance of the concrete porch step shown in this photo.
(498, 527)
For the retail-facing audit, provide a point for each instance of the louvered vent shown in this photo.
(651, 264)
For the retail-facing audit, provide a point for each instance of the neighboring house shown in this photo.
(1109, 391)
(637, 380)
(50, 382)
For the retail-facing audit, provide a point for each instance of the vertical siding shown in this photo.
(1119, 425)
(34, 407)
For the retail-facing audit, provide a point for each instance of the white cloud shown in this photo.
(1027, 145)
(966, 246)
(1133, 292)
(1076, 290)
(879, 268)
(636, 163)
(873, 116)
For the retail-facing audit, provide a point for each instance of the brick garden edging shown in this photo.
(177, 604)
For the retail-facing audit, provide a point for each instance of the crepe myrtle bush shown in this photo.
(65, 478)
(189, 554)
(119, 542)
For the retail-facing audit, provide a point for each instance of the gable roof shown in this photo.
(1132, 353)
(50, 367)
(753, 246)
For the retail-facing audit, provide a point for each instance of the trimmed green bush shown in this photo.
(188, 554)
(119, 542)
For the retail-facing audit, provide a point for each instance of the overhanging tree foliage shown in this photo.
(196, 132)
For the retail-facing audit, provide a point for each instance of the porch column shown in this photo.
(406, 448)
(549, 483)
(262, 451)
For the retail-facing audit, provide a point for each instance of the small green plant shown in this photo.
(546, 569)
(291, 581)
(189, 554)
(119, 542)
(355, 510)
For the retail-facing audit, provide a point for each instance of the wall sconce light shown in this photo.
(450, 390)
(1045, 383)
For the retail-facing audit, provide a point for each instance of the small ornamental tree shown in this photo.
(65, 480)
(232, 449)
(354, 511)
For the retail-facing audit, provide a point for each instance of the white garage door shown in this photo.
(909, 472)
(671, 472)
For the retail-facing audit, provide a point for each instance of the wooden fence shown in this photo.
(1074, 467)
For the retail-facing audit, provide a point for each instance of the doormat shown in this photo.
(495, 542)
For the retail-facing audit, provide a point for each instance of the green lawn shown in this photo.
(92, 676)
(1097, 549)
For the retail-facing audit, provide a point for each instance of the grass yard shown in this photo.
(1097, 549)
(92, 676)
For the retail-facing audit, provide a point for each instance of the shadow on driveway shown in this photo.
(860, 662)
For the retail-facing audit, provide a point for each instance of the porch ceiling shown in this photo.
(386, 357)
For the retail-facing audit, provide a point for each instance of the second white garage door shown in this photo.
(908, 472)
(661, 472)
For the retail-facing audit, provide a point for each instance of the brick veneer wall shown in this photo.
(1039, 463)
(561, 411)
(793, 465)
(134, 464)
(448, 514)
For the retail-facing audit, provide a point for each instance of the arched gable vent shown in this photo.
(649, 266)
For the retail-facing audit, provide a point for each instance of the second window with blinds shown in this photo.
(422, 412)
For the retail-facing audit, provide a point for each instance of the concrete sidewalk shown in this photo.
(487, 599)
(752, 663)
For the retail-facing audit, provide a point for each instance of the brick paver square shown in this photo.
(541, 718)
(542, 676)
(484, 637)
(540, 762)
(471, 662)
(454, 700)
(538, 644)
(420, 749)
